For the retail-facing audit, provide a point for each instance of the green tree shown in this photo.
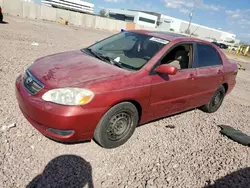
(103, 13)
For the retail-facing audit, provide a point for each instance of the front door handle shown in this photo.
(191, 77)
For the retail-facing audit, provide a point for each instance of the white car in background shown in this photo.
(234, 48)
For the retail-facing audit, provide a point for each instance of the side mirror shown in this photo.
(166, 69)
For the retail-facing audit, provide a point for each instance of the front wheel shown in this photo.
(117, 125)
(1, 17)
(216, 101)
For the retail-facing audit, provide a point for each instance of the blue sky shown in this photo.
(227, 15)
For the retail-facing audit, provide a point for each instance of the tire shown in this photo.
(117, 125)
(215, 101)
(1, 17)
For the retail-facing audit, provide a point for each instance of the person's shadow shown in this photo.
(65, 171)
(240, 178)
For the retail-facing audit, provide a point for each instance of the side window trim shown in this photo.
(220, 57)
(197, 53)
(211, 66)
(195, 56)
(152, 72)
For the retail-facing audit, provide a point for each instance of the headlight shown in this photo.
(68, 96)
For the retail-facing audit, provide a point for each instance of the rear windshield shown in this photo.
(133, 50)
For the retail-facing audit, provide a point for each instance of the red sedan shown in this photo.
(105, 90)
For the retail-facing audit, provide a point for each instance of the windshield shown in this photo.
(129, 50)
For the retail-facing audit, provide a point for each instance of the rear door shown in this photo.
(209, 70)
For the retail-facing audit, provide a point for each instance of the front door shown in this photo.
(172, 93)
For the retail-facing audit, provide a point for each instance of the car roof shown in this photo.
(168, 35)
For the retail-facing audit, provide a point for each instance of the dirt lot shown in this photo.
(192, 154)
(243, 60)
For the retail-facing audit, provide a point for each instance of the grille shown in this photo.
(31, 84)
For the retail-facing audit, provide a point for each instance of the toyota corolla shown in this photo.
(107, 89)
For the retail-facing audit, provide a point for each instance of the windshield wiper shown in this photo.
(106, 58)
(96, 54)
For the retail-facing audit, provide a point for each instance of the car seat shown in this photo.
(181, 59)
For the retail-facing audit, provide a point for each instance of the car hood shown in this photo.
(73, 68)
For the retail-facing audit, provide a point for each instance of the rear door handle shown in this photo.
(191, 77)
(219, 72)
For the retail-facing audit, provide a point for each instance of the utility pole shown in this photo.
(191, 17)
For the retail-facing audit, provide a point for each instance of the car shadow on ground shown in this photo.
(3, 22)
(165, 117)
(69, 143)
(64, 171)
(240, 178)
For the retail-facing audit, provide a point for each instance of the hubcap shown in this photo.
(119, 125)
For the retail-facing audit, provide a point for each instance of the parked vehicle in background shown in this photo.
(234, 48)
(107, 89)
(220, 45)
(216, 43)
(223, 46)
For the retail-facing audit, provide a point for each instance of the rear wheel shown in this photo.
(117, 125)
(216, 101)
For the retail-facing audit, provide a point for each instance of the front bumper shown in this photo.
(44, 115)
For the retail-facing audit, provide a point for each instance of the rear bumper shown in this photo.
(231, 86)
(44, 115)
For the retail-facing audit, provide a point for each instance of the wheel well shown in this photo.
(225, 85)
(138, 107)
(135, 103)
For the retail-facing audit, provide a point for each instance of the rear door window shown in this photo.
(207, 56)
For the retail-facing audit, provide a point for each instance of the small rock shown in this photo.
(34, 44)
(175, 165)
(168, 179)
(170, 126)
(6, 128)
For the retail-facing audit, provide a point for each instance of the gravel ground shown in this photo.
(185, 150)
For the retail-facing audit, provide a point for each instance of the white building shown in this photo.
(74, 5)
(140, 18)
(167, 23)
(207, 33)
